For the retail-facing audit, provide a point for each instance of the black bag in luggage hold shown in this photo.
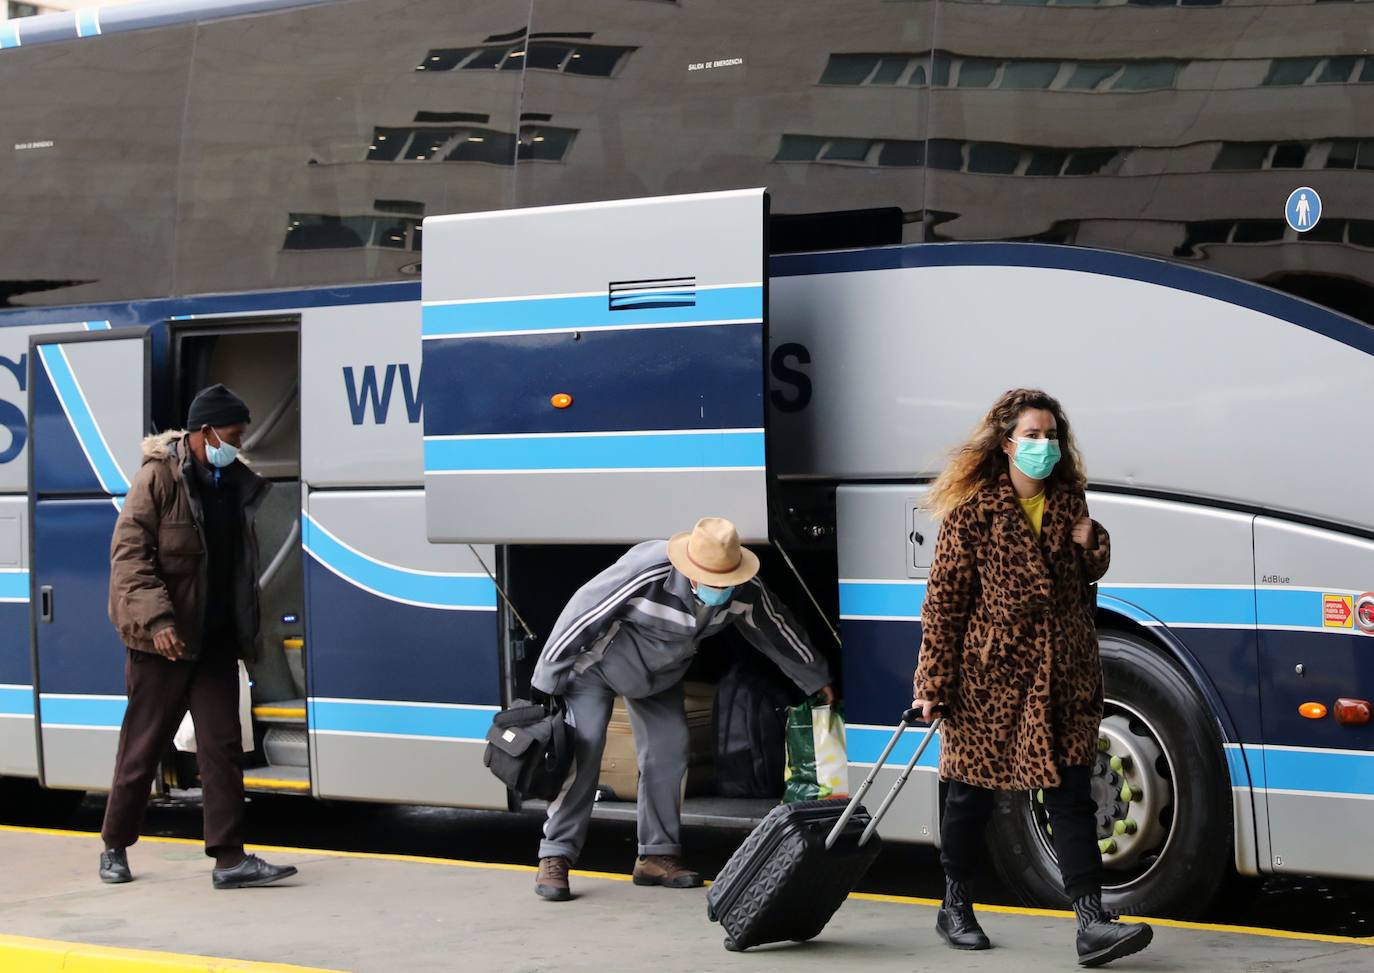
(799, 865)
(529, 749)
(750, 718)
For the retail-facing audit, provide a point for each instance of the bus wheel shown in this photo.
(1162, 790)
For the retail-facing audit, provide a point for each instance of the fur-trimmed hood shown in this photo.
(163, 445)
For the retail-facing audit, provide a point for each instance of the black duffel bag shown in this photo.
(750, 717)
(529, 749)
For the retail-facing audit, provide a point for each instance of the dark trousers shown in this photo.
(160, 692)
(1072, 813)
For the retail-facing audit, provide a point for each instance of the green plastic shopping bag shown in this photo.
(817, 762)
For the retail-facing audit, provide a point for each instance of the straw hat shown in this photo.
(710, 554)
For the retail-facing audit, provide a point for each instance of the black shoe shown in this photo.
(956, 923)
(959, 928)
(1101, 938)
(251, 873)
(1103, 942)
(114, 867)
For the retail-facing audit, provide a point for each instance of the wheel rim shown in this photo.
(1132, 784)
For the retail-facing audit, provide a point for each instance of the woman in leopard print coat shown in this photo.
(1009, 653)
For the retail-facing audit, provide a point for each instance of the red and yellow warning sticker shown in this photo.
(1338, 611)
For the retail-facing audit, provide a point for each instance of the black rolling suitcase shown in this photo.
(797, 867)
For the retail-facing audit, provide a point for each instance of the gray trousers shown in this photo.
(660, 729)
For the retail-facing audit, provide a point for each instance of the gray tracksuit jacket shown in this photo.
(640, 624)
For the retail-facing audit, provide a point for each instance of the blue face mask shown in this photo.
(222, 455)
(1036, 457)
(714, 596)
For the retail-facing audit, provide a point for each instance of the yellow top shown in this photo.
(1035, 510)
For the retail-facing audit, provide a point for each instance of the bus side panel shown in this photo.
(1316, 646)
(18, 743)
(18, 747)
(403, 676)
(402, 647)
(80, 656)
(1162, 365)
(881, 590)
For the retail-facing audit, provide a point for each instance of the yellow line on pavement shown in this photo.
(20, 954)
(617, 877)
(275, 784)
(326, 853)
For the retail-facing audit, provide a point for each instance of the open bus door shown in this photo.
(596, 373)
(88, 413)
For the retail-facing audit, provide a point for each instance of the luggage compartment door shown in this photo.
(595, 373)
(88, 412)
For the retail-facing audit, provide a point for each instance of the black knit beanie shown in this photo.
(216, 406)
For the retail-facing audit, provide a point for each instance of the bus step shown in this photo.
(286, 746)
(290, 712)
(277, 780)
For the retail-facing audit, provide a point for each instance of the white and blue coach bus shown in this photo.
(1096, 197)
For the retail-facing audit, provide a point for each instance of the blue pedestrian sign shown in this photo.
(1304, 208)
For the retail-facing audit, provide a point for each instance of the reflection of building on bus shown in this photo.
(254, 192)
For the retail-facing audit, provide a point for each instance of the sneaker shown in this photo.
(552, 881)
(250, 873)
(114, 867)
(665, 870)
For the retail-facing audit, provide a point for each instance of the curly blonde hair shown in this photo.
(980, 461)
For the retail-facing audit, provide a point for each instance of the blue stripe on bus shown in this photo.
(882, 599)
(1319, 771)
(1179, 606)
(1279, 606)
(82, 711)
(16, 701)
(866, 745)
(1173, 606)
(398, 719)
(14, 586)
(1239, 769)
(454, 592)
(645, 450)
(741, 303)
(83, 423)
(97, 325)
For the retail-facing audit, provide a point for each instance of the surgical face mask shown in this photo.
(1036, 457)
(222, 455)
(713, 596)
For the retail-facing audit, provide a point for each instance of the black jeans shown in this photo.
(1072, 813)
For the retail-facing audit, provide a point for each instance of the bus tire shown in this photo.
(1179, 850)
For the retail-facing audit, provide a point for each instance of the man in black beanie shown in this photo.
(184, 597)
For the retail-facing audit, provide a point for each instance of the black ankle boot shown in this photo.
(1101, 938)
(956, 923)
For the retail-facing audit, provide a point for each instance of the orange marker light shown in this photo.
(1313, 711)
(1352, 712)
(561, 401)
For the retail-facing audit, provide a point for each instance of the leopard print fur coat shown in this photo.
(1009, 642)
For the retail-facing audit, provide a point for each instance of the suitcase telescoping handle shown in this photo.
(909, 718)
